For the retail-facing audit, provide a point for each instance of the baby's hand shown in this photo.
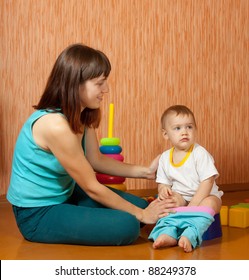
(165, 192)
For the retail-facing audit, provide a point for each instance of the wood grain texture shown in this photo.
(163, 52)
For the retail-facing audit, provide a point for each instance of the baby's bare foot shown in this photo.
(164, 240)
(185, 244)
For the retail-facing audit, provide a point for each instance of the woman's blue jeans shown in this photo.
(80, 220)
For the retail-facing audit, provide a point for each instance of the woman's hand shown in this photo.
(156, 209)
(151, 173)
(174, 200)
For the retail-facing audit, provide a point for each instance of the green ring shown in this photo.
(114, 141)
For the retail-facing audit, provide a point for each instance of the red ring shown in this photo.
(118, 157)
(108, 179)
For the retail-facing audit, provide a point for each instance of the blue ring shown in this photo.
(110, 149)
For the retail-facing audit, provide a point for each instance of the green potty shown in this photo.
(214, 230)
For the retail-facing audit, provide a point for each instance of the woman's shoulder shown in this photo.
(38, 114)
(51, 125)
(54, 116)
(54, 122)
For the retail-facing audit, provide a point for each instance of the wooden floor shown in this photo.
(233, 245)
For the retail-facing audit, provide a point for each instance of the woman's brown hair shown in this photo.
(74, 66)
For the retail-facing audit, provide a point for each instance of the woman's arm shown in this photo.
(57, 137)
(104, 164)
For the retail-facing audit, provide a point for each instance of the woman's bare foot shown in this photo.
(185, 244)
(164, 240)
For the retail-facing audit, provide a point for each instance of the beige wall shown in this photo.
(163, 52)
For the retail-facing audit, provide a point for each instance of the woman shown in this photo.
(53, 188)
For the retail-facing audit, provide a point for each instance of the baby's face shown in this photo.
(180, 130)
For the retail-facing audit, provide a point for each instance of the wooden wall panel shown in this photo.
(163, 52)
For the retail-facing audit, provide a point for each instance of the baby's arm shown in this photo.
(203, 191)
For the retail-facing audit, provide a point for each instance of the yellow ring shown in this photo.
(120, 187)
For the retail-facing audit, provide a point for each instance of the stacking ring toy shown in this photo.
(121, 187)
(118, 157)
(107, 179)
(110, 149)
(114, 141)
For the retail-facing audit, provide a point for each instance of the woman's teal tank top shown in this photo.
(37, 179)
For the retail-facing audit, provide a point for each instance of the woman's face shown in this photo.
(92, 92)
